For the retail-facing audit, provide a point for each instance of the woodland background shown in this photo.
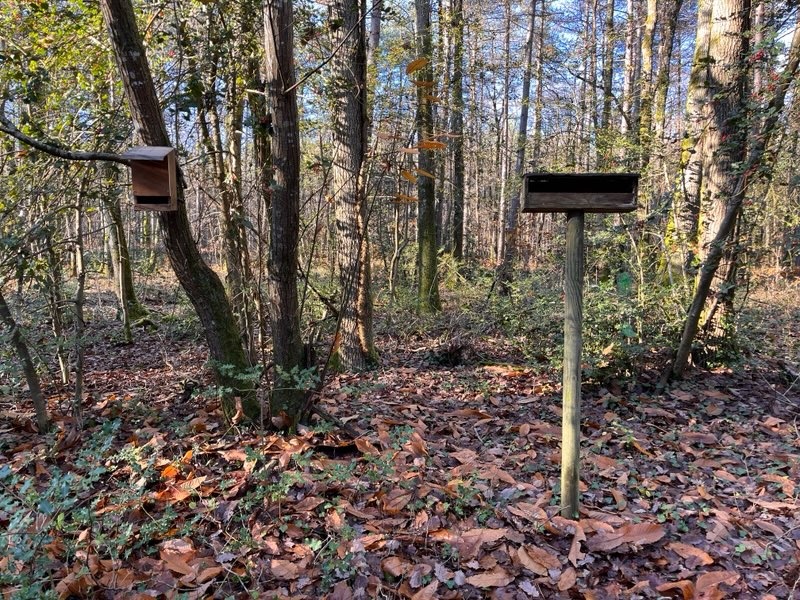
(348, 261)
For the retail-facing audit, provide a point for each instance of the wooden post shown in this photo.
(573, 342)
(576, 194)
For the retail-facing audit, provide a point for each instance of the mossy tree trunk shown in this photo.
(427, 260)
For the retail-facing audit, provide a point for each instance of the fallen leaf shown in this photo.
(284, 569)
(497, 577)
(537, 560)
(396, 500)
(428, 592)
(710, 581)
(396, 566)
(686, 587)
(695, 555)
(636, 533)
(567, 579)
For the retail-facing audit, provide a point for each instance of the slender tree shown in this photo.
(428, 279)
(457, 127)
(203, 287)
(349, 142)
(284, 208)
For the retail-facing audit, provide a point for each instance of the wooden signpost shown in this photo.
(576, 194)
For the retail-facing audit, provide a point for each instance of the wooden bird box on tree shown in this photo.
(587, 192)
(154, 177)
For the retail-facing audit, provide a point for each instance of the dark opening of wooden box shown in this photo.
(588, 192)
(153, 177)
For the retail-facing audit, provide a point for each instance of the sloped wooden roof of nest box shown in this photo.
(154, 177)
(587, 192)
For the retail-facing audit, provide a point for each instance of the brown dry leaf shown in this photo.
(416, 65)
(470, 542)
(769, 526)
(708, 582)
(365, 446)
(121, 579)
(341, 591)
(774, 505)
(187, 457)
(208, 574)
(417, 445)
(686, 587)
(465, 456)
(177, 564)
(284, 569)
(395, 501)
(636, 533)
(537, 560)
(497, 577)
(396, 566)
(694, 555)
(432, 145)
(567, 579)
(699, 437)
(575, 553)
(183, 549)
(428, 592)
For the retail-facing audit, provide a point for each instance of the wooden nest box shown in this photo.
(587, 192)
(154, 177)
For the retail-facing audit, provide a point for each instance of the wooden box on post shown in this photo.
(587, 192)
(154, 177)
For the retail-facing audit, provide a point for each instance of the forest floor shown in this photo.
(449, 492)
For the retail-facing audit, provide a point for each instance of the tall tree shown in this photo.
(428, 279)
(202, 286)
(457, 128)
(349, 143)
(744, 175)
(284, 209)
(517, 191)
(685, 214)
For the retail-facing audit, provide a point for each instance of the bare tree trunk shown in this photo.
(755, 158)
(428, 292)
(349, 143)
(202, 286)
(605, 140)
(686, 200)
(457, 128)
(517, 189)
(646, 91)
(285, 207)
(28, 368)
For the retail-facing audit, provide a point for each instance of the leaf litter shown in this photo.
(448, 492)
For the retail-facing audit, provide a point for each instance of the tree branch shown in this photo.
(54, 150)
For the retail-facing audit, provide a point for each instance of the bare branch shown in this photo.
(54, 150)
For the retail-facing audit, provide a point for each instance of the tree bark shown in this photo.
(202, 286)
(682, 240)
(28, 368)
(517, 190)
(755, 158)
(285, 208)
(457, 128)
(349, 144)
(428, 292)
